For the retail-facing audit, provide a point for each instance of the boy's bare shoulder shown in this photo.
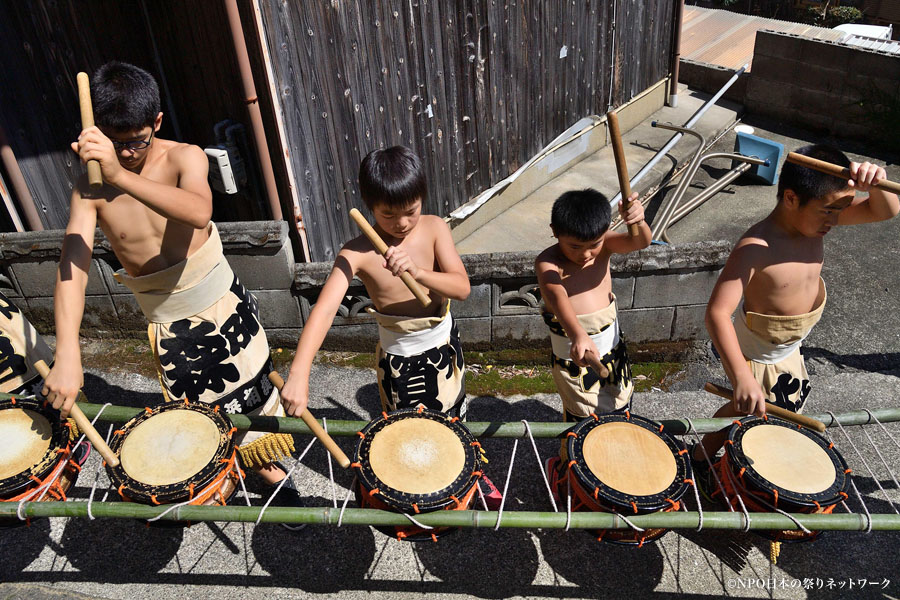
(181, 153)
(433, 224)
(549, 258)
(358, 245)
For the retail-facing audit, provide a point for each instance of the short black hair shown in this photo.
(582, 214)
(809, 184)
(125, 97)
(392, 176)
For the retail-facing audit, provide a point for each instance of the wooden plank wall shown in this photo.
(475, 87)
(44, 43)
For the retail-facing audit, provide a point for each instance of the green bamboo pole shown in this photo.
(516, 429)
(452, 518)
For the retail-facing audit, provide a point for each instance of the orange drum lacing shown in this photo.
(368, 500)
(759, 500)
(62, 475)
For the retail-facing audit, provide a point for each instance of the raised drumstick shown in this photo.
(314, 426)
(84, 424)
(379, 244)
(777, 411)
(615, 138)
(832, 169)
(95, 177)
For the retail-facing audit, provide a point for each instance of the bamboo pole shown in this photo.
(456, 518)
(121, 414)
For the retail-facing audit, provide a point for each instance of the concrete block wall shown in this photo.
(823, 86)
(661, 291)
(661, 294)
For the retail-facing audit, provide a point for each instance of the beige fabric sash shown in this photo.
(770, 339)
(186, 288)
(601, 325)
(405, 336)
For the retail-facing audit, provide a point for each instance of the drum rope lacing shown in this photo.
(330, 468)
(45, 487)
(853, 483)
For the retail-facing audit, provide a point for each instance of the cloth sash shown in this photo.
(419, 362)
(771, 344)
(582, 390)
(20, 347)
(209, 344)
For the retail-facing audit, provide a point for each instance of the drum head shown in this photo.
(629, 458)
(26, 438)
(170, 447)
(171, 453)
(801, 465)
(417, 460)
(417, 456)
(31, 435)
(626, 462)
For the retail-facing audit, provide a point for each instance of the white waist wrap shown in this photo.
(758, 349)
(415, 342)
(605, 341)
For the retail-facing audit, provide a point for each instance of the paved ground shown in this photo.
(854, 362)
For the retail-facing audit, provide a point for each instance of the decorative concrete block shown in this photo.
(129, 313)
(352, 338)
(623, 288)
(260, 271)
(99, 314)
(674, 289)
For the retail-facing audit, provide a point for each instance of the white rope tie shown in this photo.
(883, 461)
(694, 479)
(240, 475)
(853, 483)
(346, 499)
(416, 523)
(568, 500)
(512, 460)
(57, 471)
(481, 495)
(283, 481)
(330, 469)
(97, 475)
(540, 465)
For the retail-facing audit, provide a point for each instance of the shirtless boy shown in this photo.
(776, 267)
(155, 207)
(576, 287)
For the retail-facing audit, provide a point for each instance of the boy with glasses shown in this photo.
(155, 207)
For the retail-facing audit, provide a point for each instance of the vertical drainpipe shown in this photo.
(17, 181)
(259, 134)
(676, 52)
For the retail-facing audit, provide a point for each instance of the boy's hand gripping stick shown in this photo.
(379, 244)
(95, 177)
(314, 426)
(777, 411)
(83, 423)
(838, 171)
(615, 138)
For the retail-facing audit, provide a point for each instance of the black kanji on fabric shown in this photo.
(194, 359)
(7, 308)
(788, 385)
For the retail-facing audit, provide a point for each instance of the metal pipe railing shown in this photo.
(674, 140)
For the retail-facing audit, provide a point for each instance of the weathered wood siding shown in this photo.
(475, 87)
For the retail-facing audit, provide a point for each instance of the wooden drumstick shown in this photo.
(84, 424)
(777, 411)
(838, 171)
(314, 426)
(593, 360)
(379, 244)
(615, 138)
(95, 177)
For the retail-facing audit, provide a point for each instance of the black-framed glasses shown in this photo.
(133, 145)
